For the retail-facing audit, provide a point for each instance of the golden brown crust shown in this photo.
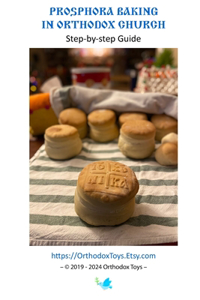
(103, 214)
(138, 129)
(164, 122)
(135, 148)
(102, 117)
(107, 181)
(60, 131)
(103, 136)
(167, 154)
(124, 117)
(170, 138)
(73, 116)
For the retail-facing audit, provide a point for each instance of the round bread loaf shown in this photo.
(102, 125)
(105, 193)
(170, 138)
(76, 118)
(164, 124)
(131, 117)
(62, 142)
(137, 139)
(167, 154)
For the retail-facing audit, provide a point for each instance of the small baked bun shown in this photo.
(76, 118)
(102, 125)
(170, 138)
(131, 117)
(167, 154)
(137, 139)
(62, 142)
(164, 124)
(105, 193)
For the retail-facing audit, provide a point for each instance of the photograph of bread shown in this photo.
(103, 127)
(164, 124)
(76, 118)
(105, 193)
(131, 117)
(62, 141)
(137, 139)
(103, 157)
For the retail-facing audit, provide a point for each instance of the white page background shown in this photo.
(29, 272)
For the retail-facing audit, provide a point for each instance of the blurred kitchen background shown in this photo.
(138, 69)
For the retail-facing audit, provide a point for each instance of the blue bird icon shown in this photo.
(106, 284)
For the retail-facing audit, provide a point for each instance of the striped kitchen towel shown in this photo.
(53, 220)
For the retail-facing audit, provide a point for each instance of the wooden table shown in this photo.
(35, 145)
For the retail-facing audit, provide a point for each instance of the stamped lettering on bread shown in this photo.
(110, 177)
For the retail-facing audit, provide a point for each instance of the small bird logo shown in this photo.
(105, 285)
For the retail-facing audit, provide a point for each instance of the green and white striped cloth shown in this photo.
(53, 220)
